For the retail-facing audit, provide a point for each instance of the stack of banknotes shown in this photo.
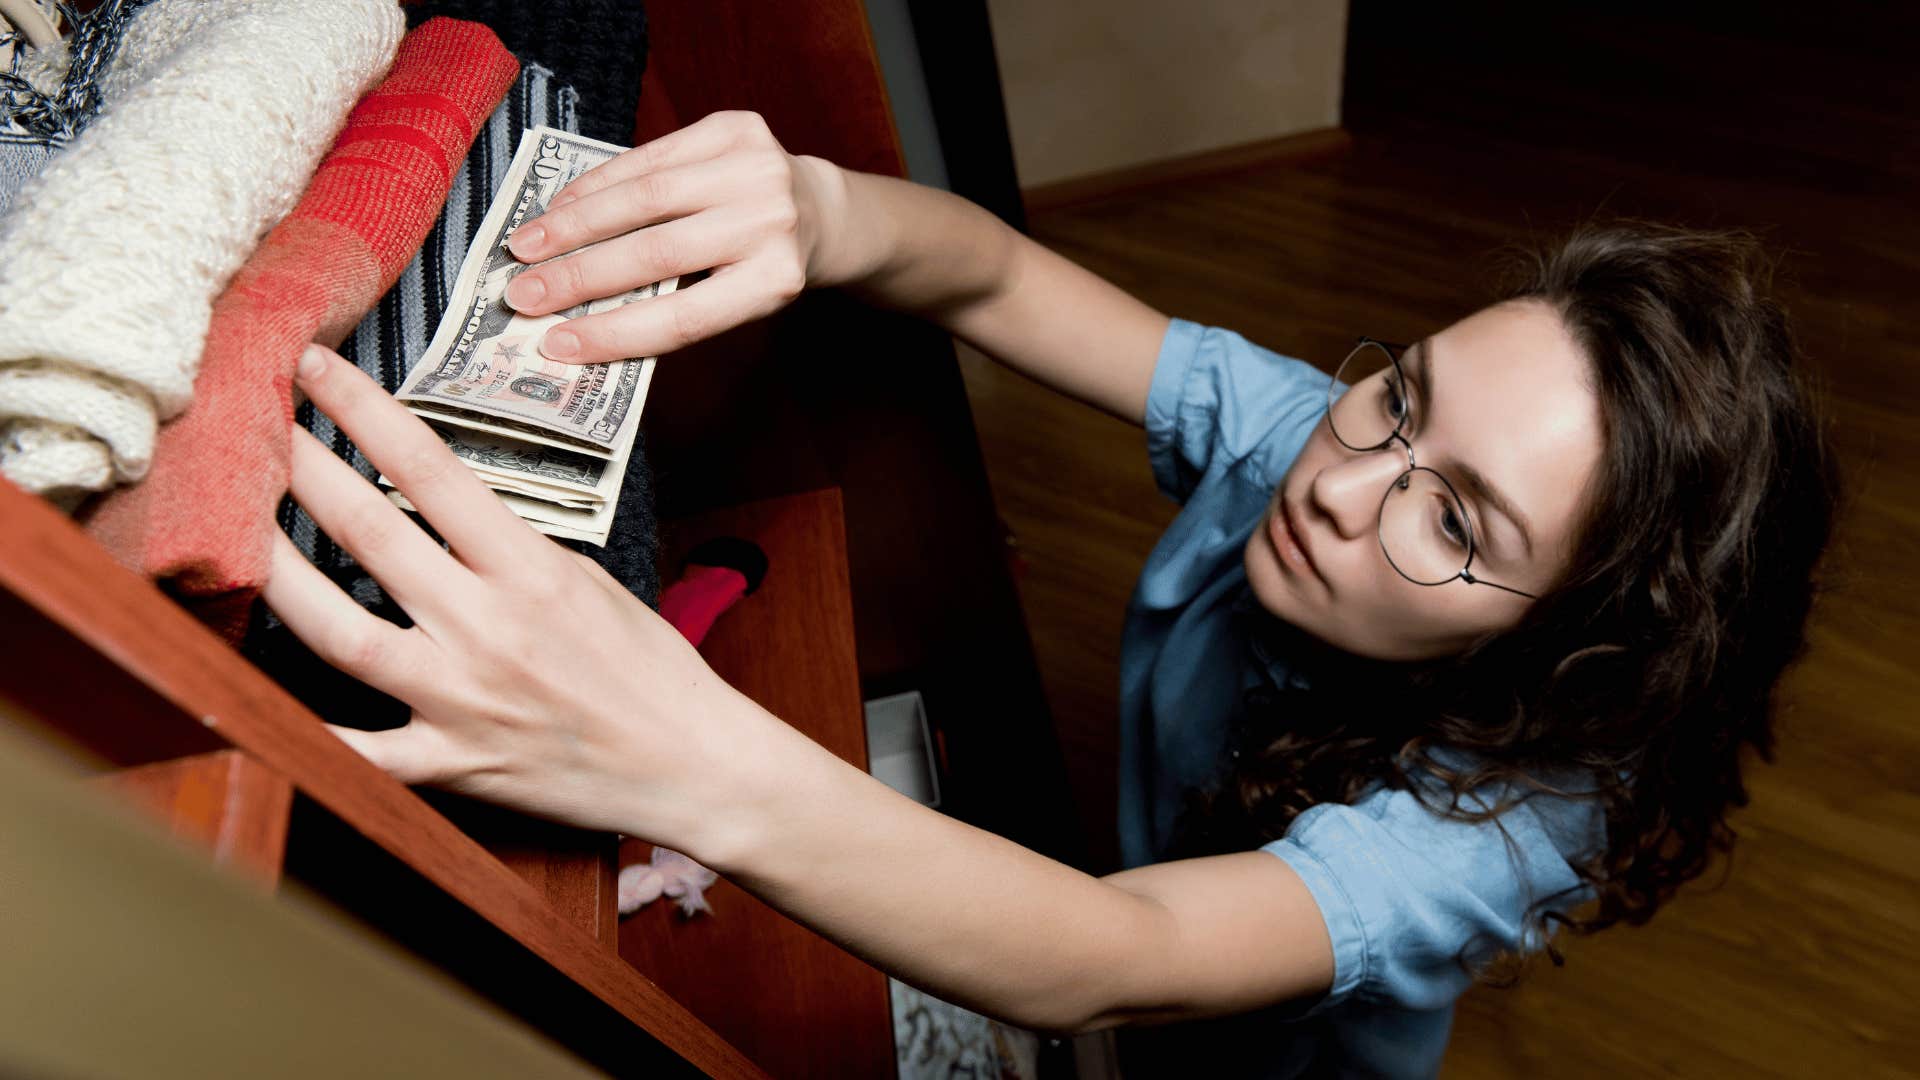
(551, 439)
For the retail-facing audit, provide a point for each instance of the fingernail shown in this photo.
(527, 239)
(560, 200)
(559, 344)
(525, 291)
(312, 362)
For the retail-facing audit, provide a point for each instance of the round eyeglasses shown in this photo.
(1424, 528)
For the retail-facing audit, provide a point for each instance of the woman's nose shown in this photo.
(1349, 490)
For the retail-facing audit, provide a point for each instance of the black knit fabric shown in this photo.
(598, 47)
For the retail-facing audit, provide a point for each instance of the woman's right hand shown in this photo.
(719, 195)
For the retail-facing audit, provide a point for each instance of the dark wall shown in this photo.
(1766, 90)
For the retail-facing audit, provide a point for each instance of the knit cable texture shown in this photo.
(213, 116)
(203, 521)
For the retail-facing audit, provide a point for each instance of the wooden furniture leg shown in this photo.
(227, 800)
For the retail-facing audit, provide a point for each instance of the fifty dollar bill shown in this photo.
(553, 439)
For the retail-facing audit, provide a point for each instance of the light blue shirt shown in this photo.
(1404, 891)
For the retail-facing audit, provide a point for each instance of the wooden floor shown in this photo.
(1806, 961)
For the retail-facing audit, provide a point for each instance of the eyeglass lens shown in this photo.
(1375, 401)
(1423, 526)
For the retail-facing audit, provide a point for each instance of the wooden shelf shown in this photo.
(107, 633)
(398, 860)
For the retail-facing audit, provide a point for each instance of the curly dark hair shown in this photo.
(1651, 665)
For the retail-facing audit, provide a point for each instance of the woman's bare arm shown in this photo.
(942, 257)
(722, 195)
(985, 923)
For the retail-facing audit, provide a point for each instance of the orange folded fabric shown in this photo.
(202, 522)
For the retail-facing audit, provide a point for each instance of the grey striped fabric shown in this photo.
(393, 336)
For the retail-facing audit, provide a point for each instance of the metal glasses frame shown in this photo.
(1404, 479)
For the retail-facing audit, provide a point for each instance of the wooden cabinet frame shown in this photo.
(837, 435)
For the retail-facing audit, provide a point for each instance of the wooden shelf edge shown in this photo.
(55, 568)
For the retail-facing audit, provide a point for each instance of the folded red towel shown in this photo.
(202, 522)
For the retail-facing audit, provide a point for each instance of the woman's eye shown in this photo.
(1394, 401)
(1452, 526)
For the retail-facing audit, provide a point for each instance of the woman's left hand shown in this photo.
(536, 680)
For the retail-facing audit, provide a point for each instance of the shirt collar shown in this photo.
(1280, 651)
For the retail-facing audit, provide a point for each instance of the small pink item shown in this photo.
(669, 874)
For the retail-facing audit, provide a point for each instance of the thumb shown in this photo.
(413, 754)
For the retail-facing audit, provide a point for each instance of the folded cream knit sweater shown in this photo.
(214, 115)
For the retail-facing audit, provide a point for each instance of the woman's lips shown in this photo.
(1293, 552)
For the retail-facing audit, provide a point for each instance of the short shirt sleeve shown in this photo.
(1407, 894)
(1219, 403)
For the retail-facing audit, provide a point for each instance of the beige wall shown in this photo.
(1105, 84)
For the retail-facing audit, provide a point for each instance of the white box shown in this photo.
(900, 747)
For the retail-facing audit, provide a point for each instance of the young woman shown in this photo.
(1434, 655)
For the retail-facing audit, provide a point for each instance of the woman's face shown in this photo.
(1500, 404)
